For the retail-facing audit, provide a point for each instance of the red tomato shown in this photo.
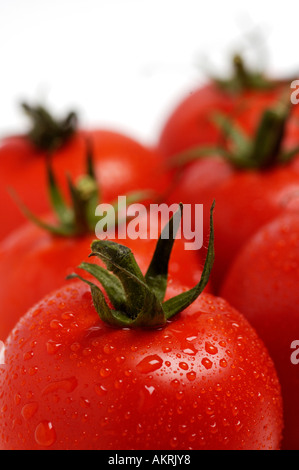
(263, 284)
(204, 381)
(119, 161)
(191, 124)
(250, 185)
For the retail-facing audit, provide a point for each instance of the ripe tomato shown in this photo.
(247, 179)
(32, 256)
(242, 98)
(199, 380)
(119, 162)
(263, 284)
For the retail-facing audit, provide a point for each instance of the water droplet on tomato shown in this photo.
(55, 324)
(207, 363)
(191, 376)
(45, 435)
(183, 365)
(223, 363)
(105, 372)
(149, 364)
(68, 385)
(29, 410)
(52, 346)
(210, 348)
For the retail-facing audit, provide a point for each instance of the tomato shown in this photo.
(242, 98)
(119, 161)
(198, 378)
(263, 284)
(247, 178)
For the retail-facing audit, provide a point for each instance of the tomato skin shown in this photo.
(263, 284)
(118, 159)
(204, 381)
(245, 203)
(37, 263)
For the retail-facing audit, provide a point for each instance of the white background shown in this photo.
(123, 64)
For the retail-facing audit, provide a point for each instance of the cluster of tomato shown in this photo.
(129, 354)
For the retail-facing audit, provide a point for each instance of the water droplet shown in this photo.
(75, 347)
(149, 364)
(55, 324)
(100, 390)
(150, 389)
(210, 348)
(28, 355)
(105, 372)
(32, 370)
(45, 435)
(207, 363)
(67, 316)
(190, 351)
(29, 410)
(108, 349)
(52, 346)
(183, 365)
(68, 385)
(17, 398)
(223, 363)
(191, 338)
(175, 383)
(84, 402)
(191, 376)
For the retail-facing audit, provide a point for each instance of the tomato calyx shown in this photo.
(261, 152)
(79, 217)
(243, 78)
(137, 299)
(48, 133)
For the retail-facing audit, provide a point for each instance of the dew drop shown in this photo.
(84, 402)
(28, 355)
(183, 365)
(55, 324)
(29, 410)
(223, 363)
(207, 363)
(68, 385)
(52, 346)
(100, 390)
(45, 435)
(149, 364)
(191, 376)
(105, 372)
(210, 348)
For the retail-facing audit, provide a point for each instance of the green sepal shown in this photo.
(137, 299)
(244, 79)
(48, 133)
(179, 303)
(157, 273)
(242, 152)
